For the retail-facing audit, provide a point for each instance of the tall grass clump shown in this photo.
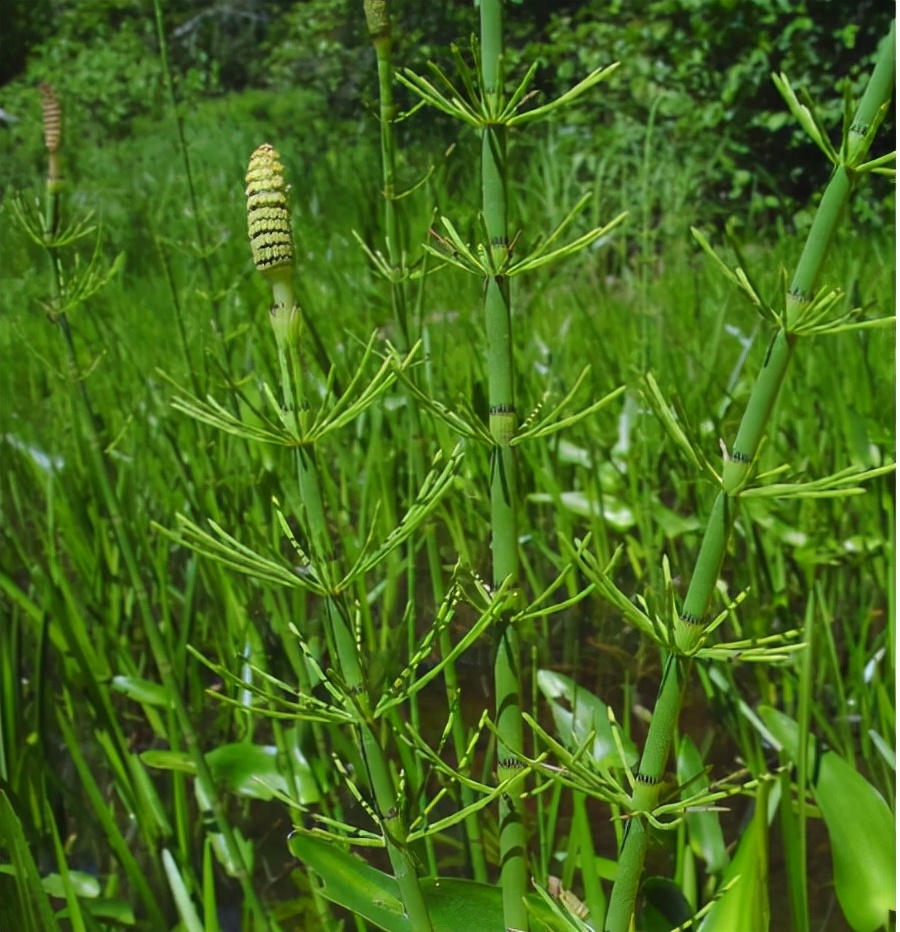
(72, 284)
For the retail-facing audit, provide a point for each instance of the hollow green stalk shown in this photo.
(504, 495)
(273, 253)
(380, 29)
(735, 474)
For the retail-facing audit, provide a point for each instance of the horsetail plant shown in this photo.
(485, 105)
(803, 310)
(269, 229)
(311, 655)
(504, 492)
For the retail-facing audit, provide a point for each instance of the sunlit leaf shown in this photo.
(250, 770)
(453, 905)
(860, 825)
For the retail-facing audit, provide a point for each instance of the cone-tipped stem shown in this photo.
(52, 117)
(271, 242)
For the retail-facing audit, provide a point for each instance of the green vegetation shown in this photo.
(318, 623)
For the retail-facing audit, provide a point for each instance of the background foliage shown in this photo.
(698, 73)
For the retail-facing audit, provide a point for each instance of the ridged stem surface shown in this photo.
(342, 641)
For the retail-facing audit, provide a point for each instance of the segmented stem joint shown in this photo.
(690, 619)
(510, 763)
(646, 779)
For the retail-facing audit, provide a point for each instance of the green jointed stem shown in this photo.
(759, 409)
(379, 23)
(504, 497)
(712, 551)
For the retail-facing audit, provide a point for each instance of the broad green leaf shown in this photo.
(453, 905)
(666, 906)
(704, 831)
(251, 770)
(745, 904)
(118, 912)
(860, 825)
(86, 886)
(352, 883)
(577, 713)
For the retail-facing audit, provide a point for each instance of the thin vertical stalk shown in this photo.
(342, 642)
(736, 471)
(157, 647)
(504, 495)
(185, 158)
(154, 638)
(380, 29)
